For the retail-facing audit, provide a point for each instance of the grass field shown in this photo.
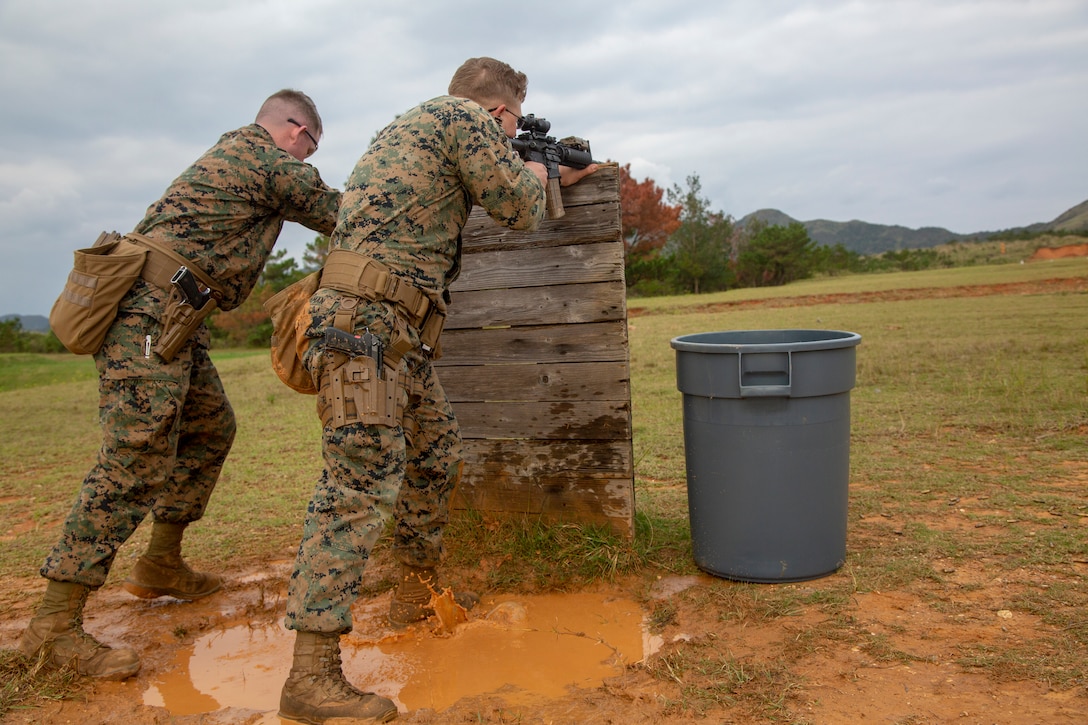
(969, 419)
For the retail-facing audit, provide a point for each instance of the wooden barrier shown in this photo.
(535, 361)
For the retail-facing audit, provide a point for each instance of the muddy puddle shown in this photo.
(519, 648)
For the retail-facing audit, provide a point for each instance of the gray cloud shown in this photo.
(954, 113)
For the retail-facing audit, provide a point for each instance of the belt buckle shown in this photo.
(392, 286)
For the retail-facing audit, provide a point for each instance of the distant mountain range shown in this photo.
(865, 238)
(861, 237)
(30, 323)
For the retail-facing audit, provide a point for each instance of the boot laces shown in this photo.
(85, 638)
(338, 684)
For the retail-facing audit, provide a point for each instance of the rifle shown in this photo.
(536, 145)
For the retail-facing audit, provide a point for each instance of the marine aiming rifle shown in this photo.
(534, 144)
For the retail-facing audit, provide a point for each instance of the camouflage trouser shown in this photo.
(167, 428)
(408, 471)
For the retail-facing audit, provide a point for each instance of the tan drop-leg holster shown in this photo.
(368, 388)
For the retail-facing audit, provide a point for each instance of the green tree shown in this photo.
(313, 258)
(836, 260)
(13, 338)
(11, 331)
(279, 271)
(700, 247)
(775, 255)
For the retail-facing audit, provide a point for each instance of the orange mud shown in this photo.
(521, 649)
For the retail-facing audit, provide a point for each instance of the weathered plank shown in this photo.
(549, 419)
(535, 267)
(592, 215)
(561, 304)
(581, 481)
(532, 381)
(591, 342)
(600, 187)
(580, 225)
(605, 502)
(547, 461)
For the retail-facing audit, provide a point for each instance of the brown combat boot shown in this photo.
(161, 572)
(316, 690)
(55, 637)
(413, 594)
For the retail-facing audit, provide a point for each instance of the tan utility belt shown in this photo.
(359, 275)
(101, 277)
(180, 320)
(162, 262)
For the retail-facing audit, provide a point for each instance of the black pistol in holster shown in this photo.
(534, 144)
(367, 344)
(186, 283)
(355, 387)
(184, 313)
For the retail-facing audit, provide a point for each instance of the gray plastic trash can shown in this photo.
(767, 448)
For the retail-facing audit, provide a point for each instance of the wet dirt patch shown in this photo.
(518, 649)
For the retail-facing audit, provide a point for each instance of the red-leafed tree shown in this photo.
(647, 221)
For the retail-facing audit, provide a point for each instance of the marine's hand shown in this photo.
(569, 175)
(541, 171)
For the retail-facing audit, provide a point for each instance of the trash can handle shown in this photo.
(771, 369)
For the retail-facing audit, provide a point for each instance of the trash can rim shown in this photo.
(825, 340)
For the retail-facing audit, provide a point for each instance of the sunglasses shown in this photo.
(296, 123)
(507, 110)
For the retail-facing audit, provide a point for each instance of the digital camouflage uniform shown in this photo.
(404, 205)
(169, 426)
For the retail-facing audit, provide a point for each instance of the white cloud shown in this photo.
(953, 113)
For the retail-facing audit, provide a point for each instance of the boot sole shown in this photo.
(384, 717)
(138, 590)
(51, 663)
(117, 676)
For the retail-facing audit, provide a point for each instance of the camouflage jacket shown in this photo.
(226, 211)
(410, 194)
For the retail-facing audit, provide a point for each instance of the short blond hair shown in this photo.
(488, 81)
(290, 103)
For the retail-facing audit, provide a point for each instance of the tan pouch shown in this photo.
(100, 278)
(179, 323)
(287, 308)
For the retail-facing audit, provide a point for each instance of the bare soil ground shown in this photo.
(896, 657)
(839, 675)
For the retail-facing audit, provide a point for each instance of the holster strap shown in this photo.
(162, 262)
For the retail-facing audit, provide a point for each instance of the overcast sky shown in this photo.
(968, 115)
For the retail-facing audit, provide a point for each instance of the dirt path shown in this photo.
(1045, 286)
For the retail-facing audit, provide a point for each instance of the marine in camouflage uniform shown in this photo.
(404, 206)
(168, 426)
